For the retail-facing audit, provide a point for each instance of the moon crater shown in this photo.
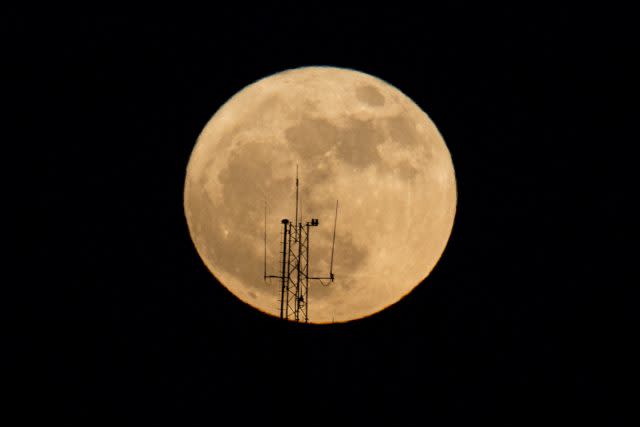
(370, 95)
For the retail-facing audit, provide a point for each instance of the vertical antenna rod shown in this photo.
(265, 240)
(299, 274)
(284, 278)
(333, 244)
(286, 292)
(306, 278)
(296, 220)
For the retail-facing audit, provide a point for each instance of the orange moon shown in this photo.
(356, 139)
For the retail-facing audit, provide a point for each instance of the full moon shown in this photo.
(353, 138)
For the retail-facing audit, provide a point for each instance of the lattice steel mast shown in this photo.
(294, 277)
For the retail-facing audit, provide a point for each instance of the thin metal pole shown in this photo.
(335, 222)
(298, 273)
(306, 287)
(296, 220)
(286, 309)
(265, 240)
(284, 264)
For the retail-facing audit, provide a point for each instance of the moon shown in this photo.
(354, 138)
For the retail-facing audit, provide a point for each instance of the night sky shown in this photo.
(527, 317)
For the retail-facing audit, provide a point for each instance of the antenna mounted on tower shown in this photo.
(294, 276)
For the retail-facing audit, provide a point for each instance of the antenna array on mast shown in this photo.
(294, 276)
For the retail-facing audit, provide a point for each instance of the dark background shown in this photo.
(526, 318)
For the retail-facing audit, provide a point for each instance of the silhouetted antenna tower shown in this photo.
(294, 276)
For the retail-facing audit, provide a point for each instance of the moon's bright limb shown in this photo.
(356, 139)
